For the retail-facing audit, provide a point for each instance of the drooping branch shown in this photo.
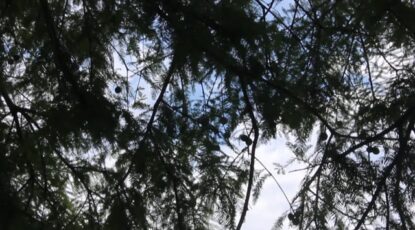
(387, 208)
(378, 136)
(379, 187)
(397, 195)
(167, 80)
(12, 107)
(369, 72)
(62, 58)
(254, 123)
(317, 174)
(403, 141)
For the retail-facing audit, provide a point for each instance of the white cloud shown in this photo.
(271, 203)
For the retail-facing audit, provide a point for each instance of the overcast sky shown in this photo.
(272, 203)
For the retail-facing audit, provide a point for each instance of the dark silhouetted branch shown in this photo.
(253, 149)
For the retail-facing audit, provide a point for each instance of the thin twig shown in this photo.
(275, 179)
(366, 57)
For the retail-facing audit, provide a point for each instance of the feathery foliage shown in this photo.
(82, 146)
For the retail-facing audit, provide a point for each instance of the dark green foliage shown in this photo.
(83, 144)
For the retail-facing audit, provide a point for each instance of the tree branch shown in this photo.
(166, 83)
(381, 184)
(254, 144)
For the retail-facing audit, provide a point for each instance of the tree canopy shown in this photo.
(82, 147)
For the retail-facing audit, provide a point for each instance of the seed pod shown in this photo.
(223, 120)
(375, 150)
(246, 139)
(117, 89)
(16, 57)
(323, 136)
(295, 221)
(203, 120)
(290, 216)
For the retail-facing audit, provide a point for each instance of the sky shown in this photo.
(271, 203)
